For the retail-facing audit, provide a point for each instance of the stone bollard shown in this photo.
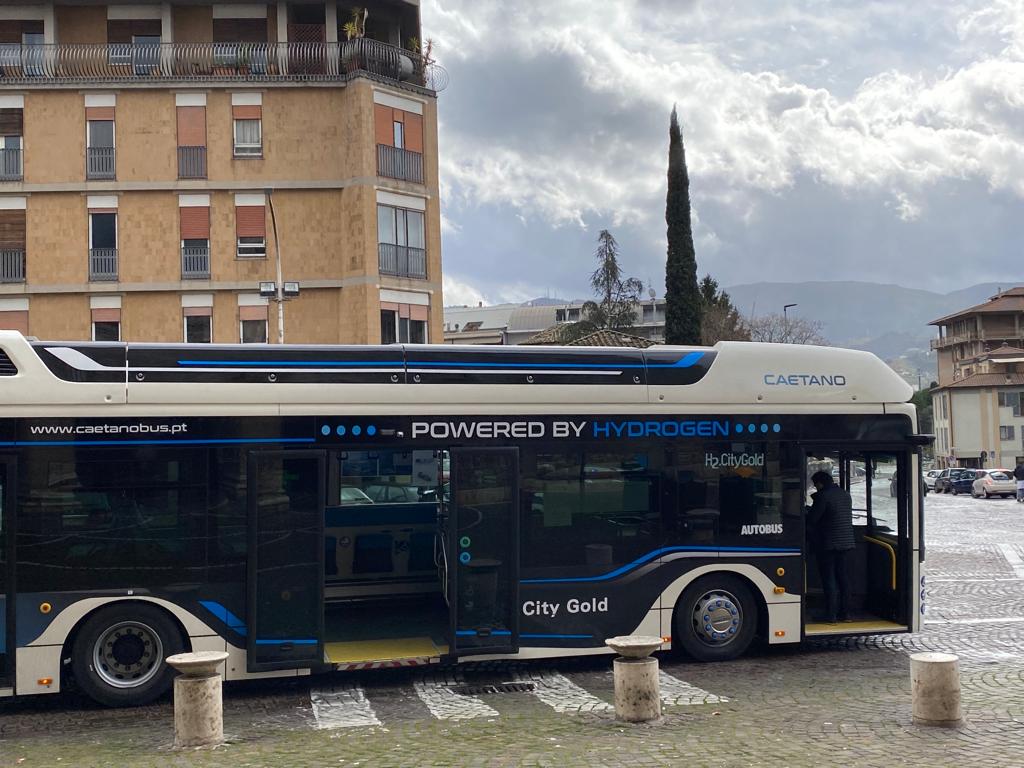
(637, 693)
(198, 703)
(935, 689)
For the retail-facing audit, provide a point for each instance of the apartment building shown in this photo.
(978, 405)
(167, 168)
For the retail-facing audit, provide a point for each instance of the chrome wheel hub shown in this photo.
(128, 654)
(717, 618)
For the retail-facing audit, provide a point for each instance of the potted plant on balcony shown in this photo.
(355, 34)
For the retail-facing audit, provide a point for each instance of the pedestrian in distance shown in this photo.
(830, 521)
(1018, 475)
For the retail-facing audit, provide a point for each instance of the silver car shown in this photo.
(994, 482)
(929, 478)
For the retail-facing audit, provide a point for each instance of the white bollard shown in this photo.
(935, 689)
(198, 700)
(637, 693)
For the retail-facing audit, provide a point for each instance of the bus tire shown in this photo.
(715, 618)
(118, 658)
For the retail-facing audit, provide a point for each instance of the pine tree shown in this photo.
(682, 299)
(618, 297)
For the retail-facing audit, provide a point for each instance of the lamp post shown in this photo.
(279, 291)
(784, 308)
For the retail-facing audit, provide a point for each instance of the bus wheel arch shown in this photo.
(142, 630)
(717, 616)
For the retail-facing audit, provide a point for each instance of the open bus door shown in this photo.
(879, 567)
(482, 537)
(285, 614)
(7, 502)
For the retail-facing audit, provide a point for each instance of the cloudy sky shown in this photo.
(826, 139)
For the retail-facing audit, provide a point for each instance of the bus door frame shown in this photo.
(10, 465)
(454, 552)
(847, 453)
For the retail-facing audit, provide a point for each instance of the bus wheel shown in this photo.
(118, 656)
(716, 618)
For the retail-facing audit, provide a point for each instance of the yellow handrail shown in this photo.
(892, 556)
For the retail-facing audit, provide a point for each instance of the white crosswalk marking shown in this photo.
(445, 704)
(342, 706)
(561, 694)
(1013, 558)
(676, 692)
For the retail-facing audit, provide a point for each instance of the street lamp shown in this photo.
(279, 290)
(785, 307)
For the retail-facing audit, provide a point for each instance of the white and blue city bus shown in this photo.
(309, 509)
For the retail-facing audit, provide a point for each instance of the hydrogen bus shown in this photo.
(309, 509)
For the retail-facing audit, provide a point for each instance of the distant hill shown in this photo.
(889, 320)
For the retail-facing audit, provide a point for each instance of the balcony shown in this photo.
(195, 262)
(12, 265)
(402, 261)
(88, 64)
(398, 163)
(10, 165)
(102, 265)
(191, 162)
(99, 163)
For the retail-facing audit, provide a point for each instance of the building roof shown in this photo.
(608, 338)
(1011, 300)
(548, 336)
(495, 317)
(531, 318)
(976, 380)
(1004, 351)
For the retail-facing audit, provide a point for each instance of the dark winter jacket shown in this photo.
(830, 519)
(1018, 473)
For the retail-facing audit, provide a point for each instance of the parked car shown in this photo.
(994, 482)
(964, 482)
(929, 478)
(943, 481)
(352, 495)
(385, 493)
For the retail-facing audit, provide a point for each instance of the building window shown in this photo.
(253, 331)
(100, 151)
(252, 247)
(10, 156)
(404, 324)
(102, 246)
(399, 134)
(198, 329)
(109, 330)
(1006, 433)
(251, 230)
(248, 138)
(402, 242)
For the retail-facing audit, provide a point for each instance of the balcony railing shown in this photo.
(102, 264)
(10, 165)
(398, 163)
(12, 265)
(191, 162)
(119, 62)
(195, 262)
(99, 163)
(402, 261)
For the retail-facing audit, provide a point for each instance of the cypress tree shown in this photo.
(682, 299)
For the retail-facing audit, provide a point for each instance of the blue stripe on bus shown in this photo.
(686, 361)
(543, 636)
(272, 363)
(658, 553)
(287, 641)
(225, 615)
(232, 441)
(474, 633)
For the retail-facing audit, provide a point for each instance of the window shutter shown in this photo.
(119, 31)
(383, 119)
(12, 122)
(10, 31)
(197, 311)
(195, 223)
(251, 220)
(253, 313)
(414, 132)
(147, 27)
(240, 30)
(99, 113)
(191, 126)
(247, 112)
(12, 230)
(106, 315)
(418, 312)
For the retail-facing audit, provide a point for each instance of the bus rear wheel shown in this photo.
(716, 618)
(119, 656)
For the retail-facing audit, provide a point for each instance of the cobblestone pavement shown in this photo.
(843, 701)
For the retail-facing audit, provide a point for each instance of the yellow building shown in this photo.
(149, 151)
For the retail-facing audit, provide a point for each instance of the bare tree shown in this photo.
(782, 329)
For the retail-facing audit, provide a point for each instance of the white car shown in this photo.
(929, 478)
(994, 482)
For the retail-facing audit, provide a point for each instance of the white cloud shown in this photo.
(459, 293)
